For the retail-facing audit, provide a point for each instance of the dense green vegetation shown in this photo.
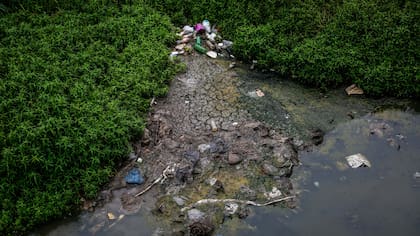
(74, 91)
(373, 43)
(76, 77)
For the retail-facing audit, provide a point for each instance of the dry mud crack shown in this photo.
(243, 159)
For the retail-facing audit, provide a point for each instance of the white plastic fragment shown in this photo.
(275, 193)
(212, 54)
(358, 160)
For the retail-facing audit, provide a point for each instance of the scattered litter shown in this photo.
(316, 184)
(354, 90)
(200, 49)
(187, 102)
(206, 25)
(111, 216)
(188, 29)
(275, 193)
(205, 36)
(179, 47)
(416, 175)
(139, 160)
(115, 222)
(254, 62)
(134, 177)
(212, 54)
(259, 93)
(358, 160)
(235, 123)
(232, 65)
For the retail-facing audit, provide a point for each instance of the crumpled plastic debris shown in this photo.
(354, 90)
(358, 160)
(134, 177)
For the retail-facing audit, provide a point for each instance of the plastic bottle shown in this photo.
(206, 25)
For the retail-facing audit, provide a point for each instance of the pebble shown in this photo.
(179, 201)
(203, 147)
(269, 169)
(195, 215)
(234, 159)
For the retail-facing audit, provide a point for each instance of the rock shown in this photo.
(234, 159)
(192, 156)
(269, 169)
(218, 145)
(231, 208)
(195, 215)
(244, 212)
(203, 147)
(179, 201)
(393, 143)
(201, 228)
(247, 193)
(170, 143)
(317, 136)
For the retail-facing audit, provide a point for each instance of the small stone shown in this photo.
(195, 215)
(203, 147)
(231, 208)
(234, 159)
(171, 144)
(269, 169)
(179, 201)
(247, 193)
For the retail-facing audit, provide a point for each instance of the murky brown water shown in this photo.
(333, 199)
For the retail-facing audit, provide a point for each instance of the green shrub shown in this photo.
(373, 43)
(75, 89)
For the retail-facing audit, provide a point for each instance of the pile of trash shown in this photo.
(203, 38)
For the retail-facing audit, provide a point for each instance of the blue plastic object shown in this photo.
(134, 177)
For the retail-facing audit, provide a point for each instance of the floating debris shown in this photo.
(358, 160)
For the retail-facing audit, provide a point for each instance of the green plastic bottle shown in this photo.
(199, 48)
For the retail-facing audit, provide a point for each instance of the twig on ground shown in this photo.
(212, 201)
(169, 170)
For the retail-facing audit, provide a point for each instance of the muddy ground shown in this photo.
(211, 148)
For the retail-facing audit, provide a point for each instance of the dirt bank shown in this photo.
(210, 149)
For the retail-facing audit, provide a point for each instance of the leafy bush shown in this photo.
(373, 43)
(74, 91)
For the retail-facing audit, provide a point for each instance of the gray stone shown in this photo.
(203, 147)
(269, 169)
(195, 215)
(234, 159)
(179, 201)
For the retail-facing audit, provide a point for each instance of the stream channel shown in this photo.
(332, 198)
